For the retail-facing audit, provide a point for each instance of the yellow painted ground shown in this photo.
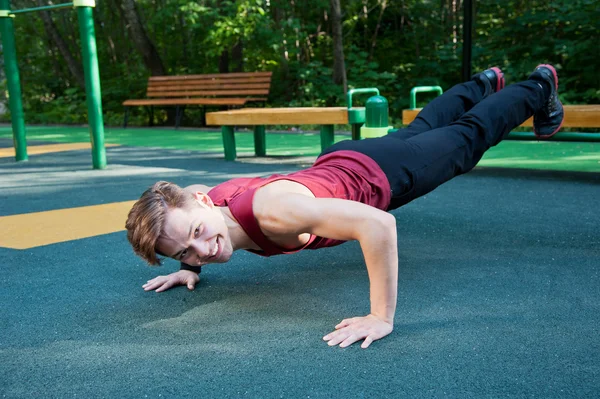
(44, 149)
(31, 230)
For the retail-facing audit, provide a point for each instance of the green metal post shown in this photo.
(376, 118)
(92, 81)
(11, 70)
(422, 89)
(356, 115)
(326, 136)
(356, 131)
(228, 142)
(357, 91)
(260, 142)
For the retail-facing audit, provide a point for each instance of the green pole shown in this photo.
(228, 142)
(260, 141)
(327, 136)
(11, 70)
(422, 89)
(92, 80)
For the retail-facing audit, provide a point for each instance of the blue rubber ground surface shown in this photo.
(499, 295)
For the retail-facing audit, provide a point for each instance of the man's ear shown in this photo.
(202, 198)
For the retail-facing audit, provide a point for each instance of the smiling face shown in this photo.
(195, 234)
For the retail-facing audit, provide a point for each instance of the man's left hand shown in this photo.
(369, 328)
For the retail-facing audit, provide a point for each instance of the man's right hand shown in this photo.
(163, 283)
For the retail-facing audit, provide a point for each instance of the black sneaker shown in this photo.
(548, 119)
(492, 80)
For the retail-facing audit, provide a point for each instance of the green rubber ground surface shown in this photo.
(498, 293)
(567, 156)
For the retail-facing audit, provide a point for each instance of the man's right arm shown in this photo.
(187, 275)
(181, 277)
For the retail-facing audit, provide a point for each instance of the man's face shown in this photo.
(196, 234)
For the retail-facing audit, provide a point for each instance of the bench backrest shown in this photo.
(243, 84)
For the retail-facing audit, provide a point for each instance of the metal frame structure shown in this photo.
(90, 69)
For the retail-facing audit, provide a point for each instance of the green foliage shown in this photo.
(315, 86)
(411, 43)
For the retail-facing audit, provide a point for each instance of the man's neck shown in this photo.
(237, 235)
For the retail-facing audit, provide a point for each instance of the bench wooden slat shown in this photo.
(232, 89)
(187, 101)
(224, 80)
(209, 86)
(255, 99)
(206, 93)
(212, 76)
(279, 116)
(575, 116)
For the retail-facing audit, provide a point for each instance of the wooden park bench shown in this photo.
(261, 117)
(224, 89)
(577, 116)
(326, 117)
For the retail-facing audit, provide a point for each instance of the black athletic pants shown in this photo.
(448, 137)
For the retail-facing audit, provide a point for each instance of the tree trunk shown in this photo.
(383, 4)
(236, 60)
(55, 37)
(224, 61)
(277, 18)
(141, 40)
(184, 40)
(339, 65)
(237, 57)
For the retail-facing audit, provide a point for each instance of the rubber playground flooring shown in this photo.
(563, 156)
(499, 288)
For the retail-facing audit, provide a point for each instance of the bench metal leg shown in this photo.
(260, 141)
(151, 116)
(125, 117)
(179, 110)
(326, 136)
(228, 142)
(356, 131)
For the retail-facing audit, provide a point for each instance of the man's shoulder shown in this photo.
(226, 191)
(275, 189)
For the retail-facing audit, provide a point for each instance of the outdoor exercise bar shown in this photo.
(44, 8)
(90, 70)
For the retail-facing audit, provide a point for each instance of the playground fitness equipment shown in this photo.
(90, 69)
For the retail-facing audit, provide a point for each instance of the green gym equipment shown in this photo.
(90, 68)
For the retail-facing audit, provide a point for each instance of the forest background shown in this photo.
(315, 49)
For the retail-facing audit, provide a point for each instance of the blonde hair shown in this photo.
(146, 218)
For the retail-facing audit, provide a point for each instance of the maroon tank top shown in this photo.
(342, 174)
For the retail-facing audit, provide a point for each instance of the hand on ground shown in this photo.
(163, 283)
(349, 331)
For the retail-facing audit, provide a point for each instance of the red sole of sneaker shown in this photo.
(499, 78)
(550, 67)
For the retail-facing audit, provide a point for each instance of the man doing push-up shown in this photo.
(345, 195)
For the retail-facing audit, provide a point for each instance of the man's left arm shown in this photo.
(346, 220)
